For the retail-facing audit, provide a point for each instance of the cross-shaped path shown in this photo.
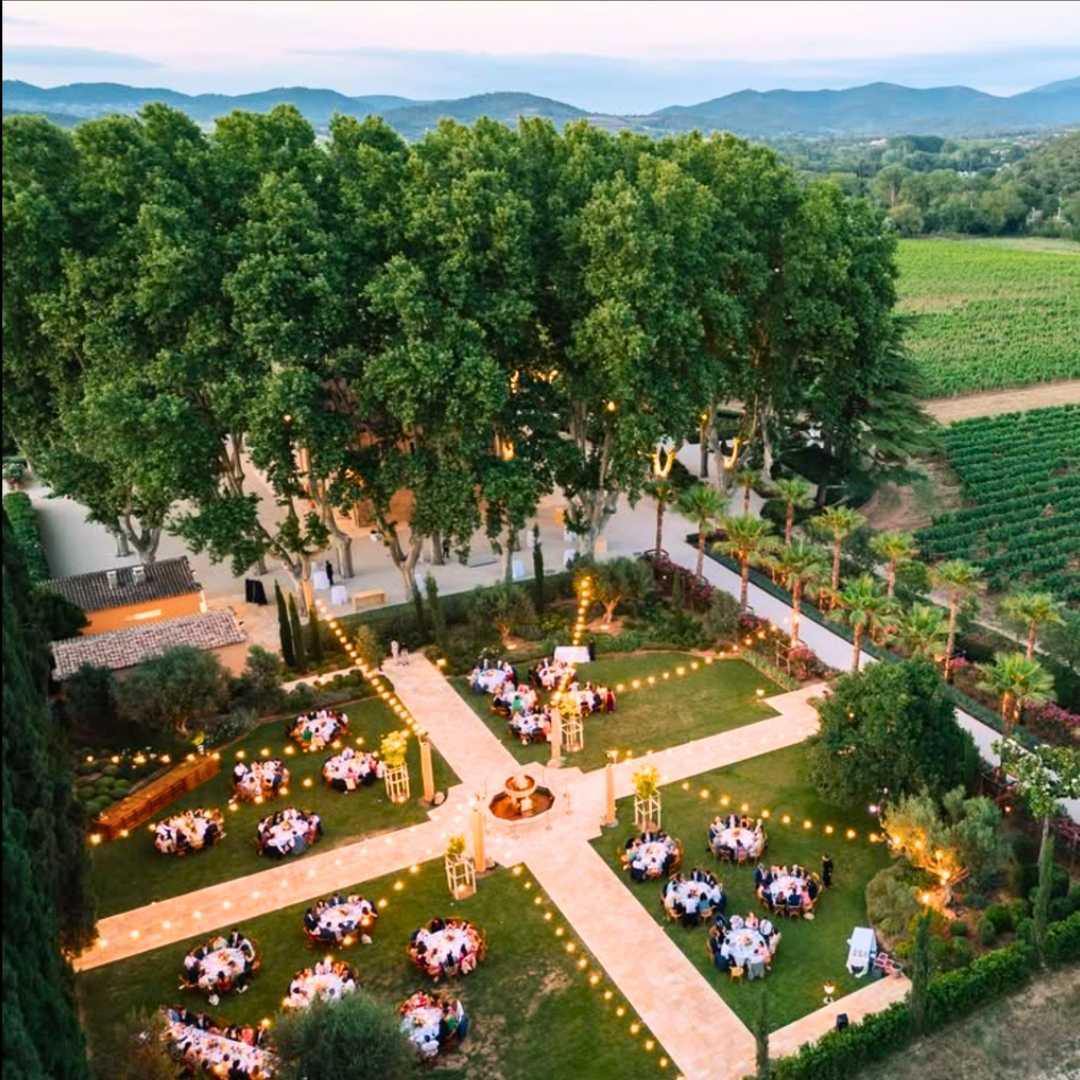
(704, 1038)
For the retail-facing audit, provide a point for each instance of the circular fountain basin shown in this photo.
(521, 797)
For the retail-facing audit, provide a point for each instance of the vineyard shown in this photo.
(1020, 478)
(986, 315)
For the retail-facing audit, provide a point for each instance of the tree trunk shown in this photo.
(609, 610)
(836, 566)
(857, 644)
(789, 524)
(436, 549)
(260, 566)
(890, 579)
(1007, 714)
(703, 468)
(700, 550)
(1031, 642)
(766, 449)
(744, 587)
(123, 548)
(796, 599)
(950, 641)
(659, 525)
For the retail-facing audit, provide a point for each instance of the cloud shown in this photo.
(62, 56)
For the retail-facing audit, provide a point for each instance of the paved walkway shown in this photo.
(674, 1001)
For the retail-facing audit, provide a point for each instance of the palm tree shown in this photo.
(1019, 682)
(1034, 609)
(866, 609)
(922, 632)
(795, 492)
(838, 523)
(663, 491)
(958, 578)
(703, 505)
(798, 564)
(746, 479)
(895, 548)
(748, 540)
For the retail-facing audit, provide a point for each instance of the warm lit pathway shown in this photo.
(673, 1000)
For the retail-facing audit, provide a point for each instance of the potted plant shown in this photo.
(646, 798)
(392, 750)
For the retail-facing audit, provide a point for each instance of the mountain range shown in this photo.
(875, 109)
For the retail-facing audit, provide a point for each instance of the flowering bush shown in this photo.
(646, 781)
(1053, 723)
(393, 747)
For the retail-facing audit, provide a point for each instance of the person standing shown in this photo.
(330, 572)
(826, 870)
(395, 649)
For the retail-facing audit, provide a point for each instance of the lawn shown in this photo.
(711, 699)
(810, 953)
(534, 1012)
(986, 316)
(128, 873)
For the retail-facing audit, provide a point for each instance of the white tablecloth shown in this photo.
(339, 595)
(742, 944)
(572, 654)
(319, 580)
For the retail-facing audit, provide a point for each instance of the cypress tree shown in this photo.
(1041, 908)
(920, 971)
(315, 649)
(761, 1035)
(438, 616)
(288, 654)
(538, 572)
(677, 601)
(47, 906)
(297, 633)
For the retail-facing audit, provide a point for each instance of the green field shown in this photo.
(988, 314)
(128, 873)
(677, 710)
(535, 1014)
(811, 953)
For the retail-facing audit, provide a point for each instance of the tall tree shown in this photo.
(703, 506)
(664, 494)
(746, 479)
(1033, 610)
(1044, 777)
(48, 912)
(798, 565)
(1017, 681)
(288, 654)
(748, 540)
(896, 549)
(837, 523)
(867, 610)
(794, 491)
(922, 632)
(959, 579)
(296, 632)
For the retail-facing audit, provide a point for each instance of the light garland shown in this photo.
(591, 972)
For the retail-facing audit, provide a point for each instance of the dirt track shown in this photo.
(993, 402)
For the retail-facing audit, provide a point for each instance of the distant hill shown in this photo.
(875, 109)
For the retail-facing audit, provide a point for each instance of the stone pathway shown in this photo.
(674, 1001)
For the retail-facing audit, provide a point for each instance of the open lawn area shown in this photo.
(534, 1012)
(128, 873)
(711, 699)
(810, 952)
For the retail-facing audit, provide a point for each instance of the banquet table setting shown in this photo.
(193, 830)
(317, 729)
(737, 838)
(341, 920)
(488, 676)
(327, 980)
(221, 965)
(432, 1021)
(744, 946)
(288, 832)
(690, 898)
(351, 769)
(531, 727)
(789, 891)
(221, 1051)
(447, 947)
(260, 779)
(549, 673)
(651, 855)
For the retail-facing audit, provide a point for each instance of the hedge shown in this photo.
(950, 996)
(23, 518)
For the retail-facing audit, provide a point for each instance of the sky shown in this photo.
(613, 56)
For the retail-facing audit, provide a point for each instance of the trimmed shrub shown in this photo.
(987, 932)
(958, 928)
(1001, 917)
(1062, 945)
(23, 520)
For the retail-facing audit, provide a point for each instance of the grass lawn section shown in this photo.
(810, 952)
(716, 698)
(534, 1013)
(130, 872)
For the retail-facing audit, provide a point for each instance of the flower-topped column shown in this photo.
(647, 809)
(393, 749)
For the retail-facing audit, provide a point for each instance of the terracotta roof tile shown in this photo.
(93, 591)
